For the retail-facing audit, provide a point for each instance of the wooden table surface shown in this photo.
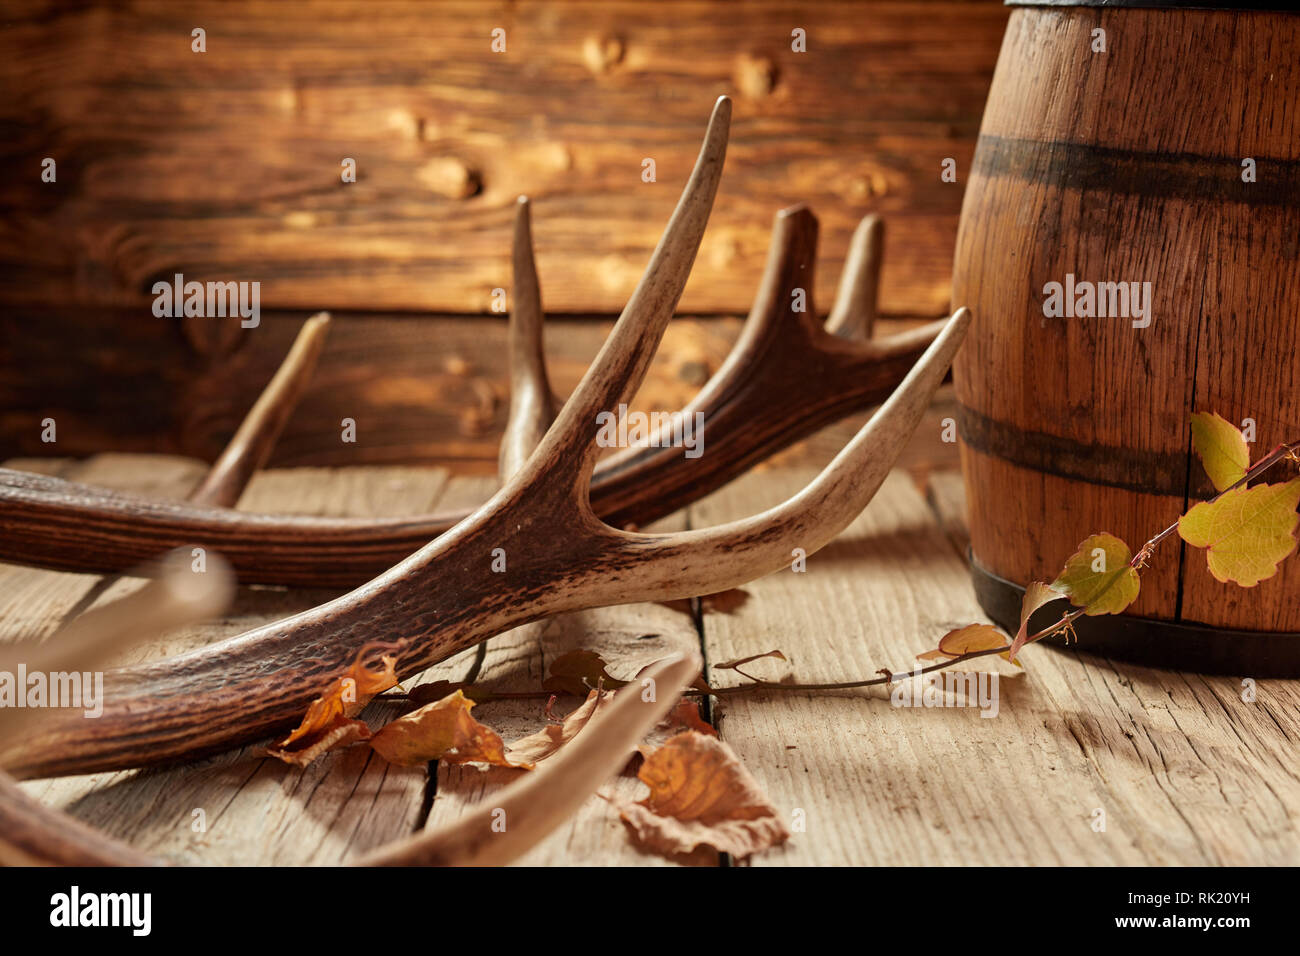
(1183, 769)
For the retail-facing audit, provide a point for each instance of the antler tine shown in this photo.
(174, 596)
(252, 443)
(536, 804)
(779, 349)
(854, 314)
(31, 833)
(620, 366)
(440, 600)
(532, 405)
(65, 526)
(714, 559)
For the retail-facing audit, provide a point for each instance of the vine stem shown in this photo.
(1289, 451)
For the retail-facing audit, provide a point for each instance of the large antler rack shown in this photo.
(835, 369)
(443, 598)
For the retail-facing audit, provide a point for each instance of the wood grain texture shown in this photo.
(257, 810)
(429, 389)
(632, 635)
(226, 164)
(1185, 772)
(1126, 166)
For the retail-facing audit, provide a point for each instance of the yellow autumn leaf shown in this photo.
(1246, 532)
(972, 637)
(965, 640)
(1223, 449)
(1098, 577)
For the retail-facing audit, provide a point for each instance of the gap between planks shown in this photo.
(1185, 771)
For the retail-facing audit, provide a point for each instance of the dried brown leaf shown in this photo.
(578, 673)
(443, 730)
(701, 795)
(328, 723)
(687, 714)
(341, 733)
(537, 747)
(422, 694)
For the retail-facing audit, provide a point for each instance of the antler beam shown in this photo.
(65, 526)
(560, 555)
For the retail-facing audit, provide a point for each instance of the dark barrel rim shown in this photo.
(1147, 641)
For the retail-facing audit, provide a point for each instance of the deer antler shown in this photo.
(535, 805)
(560, 556)
(252, 443)
(31, 833)
(56, 524)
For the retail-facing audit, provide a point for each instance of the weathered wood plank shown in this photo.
(420, 389)
(256, 810)
(1185, 772)
(628, 638)
(226, 164)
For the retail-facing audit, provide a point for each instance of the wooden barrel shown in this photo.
(1161, 147)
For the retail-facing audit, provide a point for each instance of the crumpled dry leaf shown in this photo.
(341, 733)
(720, 602)
(687, 714)
(578, 673)
(701, 795)
(443, 730)
(537, 747)
(328, 723)
(422, 694)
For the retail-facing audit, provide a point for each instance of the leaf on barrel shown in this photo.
(443, 730)
(701, 795)
(1246, 532)
(1222, 448)
(328, 723)
(1098, 577)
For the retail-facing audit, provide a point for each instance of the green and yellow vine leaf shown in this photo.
(966, 640)
(1223, 449)
(1098, 577)
(1036, 595)
(1246, 532)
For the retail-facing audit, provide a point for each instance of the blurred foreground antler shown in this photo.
(826, 371)
(559, 556)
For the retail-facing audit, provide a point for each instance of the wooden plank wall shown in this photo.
(225, 166)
